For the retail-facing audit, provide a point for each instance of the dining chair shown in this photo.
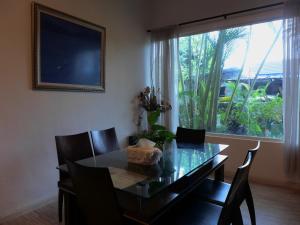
(194, 211)
(95, 195)
(104, 141)
(71, 148)
(217, 191)
(189, 137)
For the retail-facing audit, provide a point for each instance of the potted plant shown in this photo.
(156, 132)
(148, 101)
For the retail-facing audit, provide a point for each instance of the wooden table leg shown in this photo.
(219, 173)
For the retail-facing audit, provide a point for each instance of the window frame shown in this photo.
(245, 19)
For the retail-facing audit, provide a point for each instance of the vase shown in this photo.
(144, 121)
(167, 158)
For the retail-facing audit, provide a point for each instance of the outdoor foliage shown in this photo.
(247, 110)
(262, 115)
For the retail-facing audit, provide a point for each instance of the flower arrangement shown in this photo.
(147, 100)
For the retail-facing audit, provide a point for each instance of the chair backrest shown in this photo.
(104, 141)
(95, 195)
(73, 147)
(239, 183)
(253, 151)
(239, 186)
(238, 190)
(189, 137)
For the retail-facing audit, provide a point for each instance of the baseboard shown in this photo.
(294, 186)
(283, 184)
(26, 209)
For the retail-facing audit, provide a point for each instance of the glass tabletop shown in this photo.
(146, 181)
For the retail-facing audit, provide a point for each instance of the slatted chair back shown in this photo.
(253, 151)
(96, 198)
(240, 188)
(73, 147)
(104, 141)
(189, 137)
(236, 194)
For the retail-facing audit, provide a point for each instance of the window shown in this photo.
(230, 81)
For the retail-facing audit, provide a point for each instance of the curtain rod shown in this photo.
(224, 15)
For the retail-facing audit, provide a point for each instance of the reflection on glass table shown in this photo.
(146, 181)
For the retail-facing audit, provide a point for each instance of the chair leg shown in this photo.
(237, 217)
(67, 208)
(60, 205)
(250, 204)
(72, 213)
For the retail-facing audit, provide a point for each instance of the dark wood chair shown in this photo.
(189, 137)
(95, 194)
(104, 141)
(216, 191)
(193, 211)
(71, 148)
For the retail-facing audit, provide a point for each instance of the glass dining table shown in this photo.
(142, 190)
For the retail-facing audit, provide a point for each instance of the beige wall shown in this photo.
(169, 12)
(29, 119)
(268, 166)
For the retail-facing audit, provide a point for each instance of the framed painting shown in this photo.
(69, 53)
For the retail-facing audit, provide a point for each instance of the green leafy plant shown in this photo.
(156, 132)
(262, 116)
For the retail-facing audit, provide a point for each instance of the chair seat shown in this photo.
(193, 212)
(213, 191)
(66, 185)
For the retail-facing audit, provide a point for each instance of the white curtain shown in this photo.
(291, 82)
(164, 70)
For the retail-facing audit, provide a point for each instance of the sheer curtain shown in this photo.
(291, 82)
(164, 70)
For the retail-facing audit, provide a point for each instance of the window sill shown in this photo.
(240, 137)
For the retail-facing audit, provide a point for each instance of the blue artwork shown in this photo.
(70, 53)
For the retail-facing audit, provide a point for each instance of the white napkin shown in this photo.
(144, 142)
(144, 152)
